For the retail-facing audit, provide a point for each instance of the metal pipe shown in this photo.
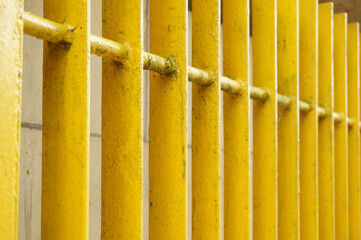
(199, 76)
(351, 122)
(283, 101)
(109, 49)
(54, 32)
(46, 29)
(259, 94)
(321, 112)
(159, 64)
(232, 86)
(337, 117)
(304, 107)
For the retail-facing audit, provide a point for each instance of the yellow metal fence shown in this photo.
(306, 112)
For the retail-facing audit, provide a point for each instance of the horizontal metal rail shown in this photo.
(158, 64)
(60, 33)
(304, 107)
(46, 29)
(337, 117)
(321, 112)
(283, 101)
(109, 49)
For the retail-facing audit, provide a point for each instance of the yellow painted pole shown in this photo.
(236, 122)
(168, 123)
(122, 141)
(65, 169)
(341, 128)
(288, 124)
(206, 211)
(11, 35)
(326, 125)
(353, 101)
(308, 121)
(264, 36)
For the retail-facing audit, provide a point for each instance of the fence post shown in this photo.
(340, 77)
(206, 218)
(168, 123)
(236, 121)
(11, 35)
(122, 140)
(308, 121)
(65, 168)
(353, 101)
(288, 124)
(326, 124)
(264, 36)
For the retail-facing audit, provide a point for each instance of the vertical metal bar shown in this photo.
(265, 120)
(308, 121)
(11, 36)
(353, 101)
(168, 123)
(122, 141)
(65, 194)
(206, 214)
(326, 125)
(236, 121)
(288, 124)
(340, 81)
